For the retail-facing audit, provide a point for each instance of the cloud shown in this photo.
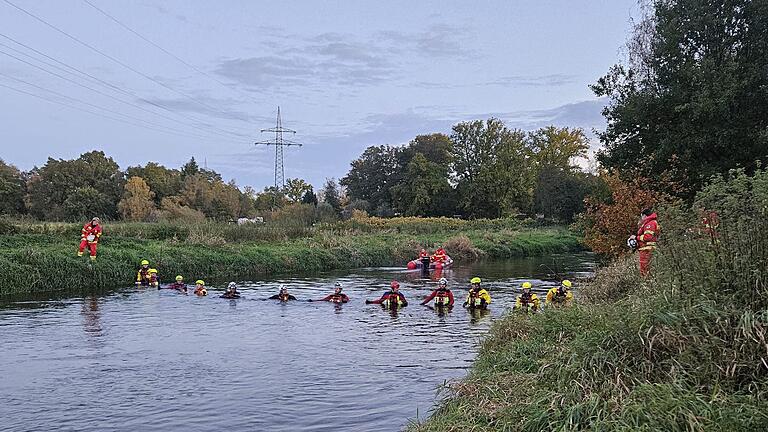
(438, 40)
(584, 114)
(551, 80)
(333, 58)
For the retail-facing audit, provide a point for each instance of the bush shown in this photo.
(461, 247)
(607, 225)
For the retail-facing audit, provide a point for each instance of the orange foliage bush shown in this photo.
(608, 225)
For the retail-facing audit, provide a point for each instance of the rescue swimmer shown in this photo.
(283, 295)
(442, 295)
(231, 292)
(560, 295)
(336, 297)
(89, 237)
(528, 301)
(477, 297)
(392, 299)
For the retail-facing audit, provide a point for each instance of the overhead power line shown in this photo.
(81, 109)
(96, 90)
(179, 59)
(140, 121)
(115, 60)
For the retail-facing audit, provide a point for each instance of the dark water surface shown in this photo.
(148, 360)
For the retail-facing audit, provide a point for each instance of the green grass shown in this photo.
(41, 257)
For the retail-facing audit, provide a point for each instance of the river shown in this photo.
(147, 360)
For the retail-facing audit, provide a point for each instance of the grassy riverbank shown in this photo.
(685, 350)
(37, 257)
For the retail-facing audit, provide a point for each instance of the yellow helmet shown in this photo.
(475, 280)
(153, 270)
(567, 283)
(527, 285)
(199, 282)
(144, 262)
(179, 278)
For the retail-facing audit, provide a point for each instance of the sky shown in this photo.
(167, 80)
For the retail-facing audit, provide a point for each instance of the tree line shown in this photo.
(483, 169)
(94, 185)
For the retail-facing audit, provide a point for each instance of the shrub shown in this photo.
(607, 226)
(461, 247)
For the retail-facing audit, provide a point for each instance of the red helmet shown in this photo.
(395, 284)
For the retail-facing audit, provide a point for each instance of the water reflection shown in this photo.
(91, 317)
(477, 315)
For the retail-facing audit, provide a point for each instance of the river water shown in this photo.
(148, 360)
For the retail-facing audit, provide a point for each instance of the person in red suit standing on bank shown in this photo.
(90, 235)
(647, 236)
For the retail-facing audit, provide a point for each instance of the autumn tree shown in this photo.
(163, 182)
(373, 174)
(607, 225)
(137, 203)
(424, 190)
(557, 147)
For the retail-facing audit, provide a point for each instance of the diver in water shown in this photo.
(391, 299)
(336, 297)
(231, 292)
(477, 297)
(442, 295)
(283, 295)
(200, 290)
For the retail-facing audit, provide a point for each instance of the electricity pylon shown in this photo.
(279, 142)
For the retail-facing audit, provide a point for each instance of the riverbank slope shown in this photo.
(39, 257)
(683, 350)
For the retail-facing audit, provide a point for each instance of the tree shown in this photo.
(12, 189)
(557, 147)
(164, 182)
(332, 195)
(248, 202)
(137, 203)
(692, 101)
(172, 210)
(373, 174)
(309, 198)
(86, 202)
(295, 189)
(190, 168)
(425, 190)
(435, 148)
(560, 193)
(214, 198)
(355, 207)
(55, 183)
(492, 174)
